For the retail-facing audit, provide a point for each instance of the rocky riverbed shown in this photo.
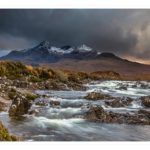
(105, 111)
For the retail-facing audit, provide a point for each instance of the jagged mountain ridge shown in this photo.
(45, 53)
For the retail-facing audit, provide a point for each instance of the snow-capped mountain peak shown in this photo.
(44, 44)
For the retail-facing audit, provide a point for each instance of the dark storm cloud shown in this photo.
(118, 31)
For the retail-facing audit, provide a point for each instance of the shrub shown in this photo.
(60, 75)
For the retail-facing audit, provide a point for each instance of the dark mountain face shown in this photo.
(37, 54)
(66, 47)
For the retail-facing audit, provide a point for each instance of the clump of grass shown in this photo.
(4, 134)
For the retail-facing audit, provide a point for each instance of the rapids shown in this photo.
(66, 122)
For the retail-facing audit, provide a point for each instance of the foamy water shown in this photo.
(66, 122)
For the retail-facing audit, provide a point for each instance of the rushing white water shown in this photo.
(132, 89)
(65, 122)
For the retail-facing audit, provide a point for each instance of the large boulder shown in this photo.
(97, 96)
(145, 101)
(20, 105)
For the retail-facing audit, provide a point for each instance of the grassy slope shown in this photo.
(15, 70)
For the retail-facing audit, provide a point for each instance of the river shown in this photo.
(66, 122)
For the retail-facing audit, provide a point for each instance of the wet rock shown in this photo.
(144, 112)
(115, 103)
(136, 119)
(20, 105)
(98, 114)
(122, 87)
(119, 102)
(129, 100)
(97, 96)
(54, 103)
(145, 101)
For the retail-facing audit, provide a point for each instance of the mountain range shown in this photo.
(81, 58)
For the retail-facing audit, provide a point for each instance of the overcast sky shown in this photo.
(123, 32)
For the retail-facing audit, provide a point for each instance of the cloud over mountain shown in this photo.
(125, 32)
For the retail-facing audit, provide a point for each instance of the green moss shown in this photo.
(4, 134)
(31, 97)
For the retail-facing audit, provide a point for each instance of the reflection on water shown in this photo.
(66, 123)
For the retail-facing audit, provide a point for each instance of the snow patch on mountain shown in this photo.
(98, 53)
(59, 50)
(84, 48)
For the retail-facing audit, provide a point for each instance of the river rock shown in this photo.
(97, 96)
(122, 87)
(119, 102)
(145, 112)
(54, 103)
(20, 105)
(145, 101)
(114, 103)
(98, 114)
